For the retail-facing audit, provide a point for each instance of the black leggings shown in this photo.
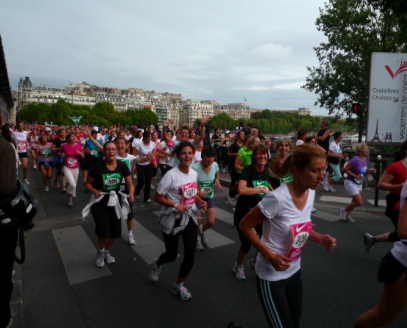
(234, 180)
(282, 301)
(189, 237)
(394, 217)
(164, 169)
(144, 175)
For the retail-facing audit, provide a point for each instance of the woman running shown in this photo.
(145, 169)
(334, 159)
(224, 148)
(244, 157)
(286, 217)
(198, 151)
(356, 169)
(71, 152)
(58, 159)
(108, 205)
(165, 149)
(234, 174)
(34, 142)
(177, 193)
(92, 152)
(393, 273)
(393, 180)
(21, 138)
(255, 182)
(283, 147)
(208, 181)
(154, 138)
(44, 152)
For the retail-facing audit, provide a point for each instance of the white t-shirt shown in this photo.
(336, 149)
(161, 146)
(144, 150)
(299, 143)
(172, 182)
(286, 226)
(136, 141)
(197, 157)
(129, 161)
(21, 140)
(399, 250)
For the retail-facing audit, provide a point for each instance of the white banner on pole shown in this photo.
(387, 99)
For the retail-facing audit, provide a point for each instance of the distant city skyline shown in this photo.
(223, 51)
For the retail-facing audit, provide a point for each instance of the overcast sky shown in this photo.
(225, 50)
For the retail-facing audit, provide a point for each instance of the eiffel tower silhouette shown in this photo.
(376, 136)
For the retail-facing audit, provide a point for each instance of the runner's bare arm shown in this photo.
(246, 226)
(327, 241)
(402, 224)
(385, 182)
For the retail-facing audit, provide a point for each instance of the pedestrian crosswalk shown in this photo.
(78, 252)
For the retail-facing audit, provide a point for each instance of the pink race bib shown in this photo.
(189, 193)
(299, 236)
(22, 145)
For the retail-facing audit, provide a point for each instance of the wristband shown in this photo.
(175, 205)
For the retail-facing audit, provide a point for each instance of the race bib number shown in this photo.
(286, 179)
(22, 145)
(207, 189)
(34, 144)
(46, 152)
(261, 184)
(299, 236)
(72, 162)
(111, 181)
(189, 193)
(94, 152)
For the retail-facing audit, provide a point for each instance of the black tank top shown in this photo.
(324, 144)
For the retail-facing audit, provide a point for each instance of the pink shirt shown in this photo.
(71, 156)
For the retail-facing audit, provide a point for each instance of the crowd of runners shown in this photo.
(272, 186)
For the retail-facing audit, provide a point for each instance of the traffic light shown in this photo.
(358, 108)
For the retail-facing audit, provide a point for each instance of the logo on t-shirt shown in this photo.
(260, 184)
(46, 152)
(111, 181)
(286, 179)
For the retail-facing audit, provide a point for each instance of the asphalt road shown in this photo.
(338, 286)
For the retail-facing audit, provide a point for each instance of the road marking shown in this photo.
(335, 199)
(216, 239)
(382, 202)
(78, 255)
(326, 216)
(148, 246)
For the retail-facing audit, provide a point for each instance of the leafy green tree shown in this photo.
(105, 110)
(354, 29)
(32, 112)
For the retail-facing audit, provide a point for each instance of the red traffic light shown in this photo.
(358, 108)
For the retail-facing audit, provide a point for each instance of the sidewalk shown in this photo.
(339, 198)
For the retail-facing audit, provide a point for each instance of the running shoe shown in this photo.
(64, 190)
(46, 189)
(199, 246)
(109, 259)
(181, 291)
(26, 181)
(313, 210)
(134, 176)
(239, 272)
(148, 201)
(152, 186)
(100, 259)
(50, 181)
(330, 188)
(368, 242)
(325, 184)
(56, 183)
(342, 214)
(251, 264)
(70, 202)
(349, 219)
(204, 240)
(224, 170)
(131, 240)
(155, 271)
(230, 199)
(34, 167)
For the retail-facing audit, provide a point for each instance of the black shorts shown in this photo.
(210, 202)
(23, 155)
(107, 223)
(390, 270)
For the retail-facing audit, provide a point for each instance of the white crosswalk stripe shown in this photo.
(78, 255)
